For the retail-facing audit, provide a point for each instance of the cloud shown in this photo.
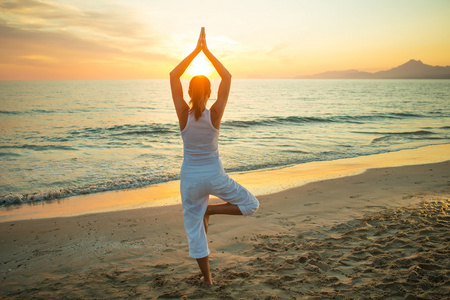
(23, 4)
(39, 34)
(64, 45)
(114, 22)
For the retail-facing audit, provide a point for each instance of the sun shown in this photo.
(200, 66)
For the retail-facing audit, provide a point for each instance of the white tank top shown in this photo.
(201, 145)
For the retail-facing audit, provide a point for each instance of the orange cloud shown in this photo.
(49, 41)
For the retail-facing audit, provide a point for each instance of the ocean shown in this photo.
(64, 138)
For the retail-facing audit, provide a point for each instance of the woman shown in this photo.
(202, 173)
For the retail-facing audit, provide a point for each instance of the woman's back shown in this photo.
(200, 139)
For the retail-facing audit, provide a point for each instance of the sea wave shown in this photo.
(9, 154)
(28, 112)
(356, 119)
(126, 129)
(17, 199)
(391, 137)
(38, 147)
(9, 112)
(416, 132)
(103, 136)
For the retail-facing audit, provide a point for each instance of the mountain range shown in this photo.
(413, 69)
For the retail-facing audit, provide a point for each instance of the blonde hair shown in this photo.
(199, 90)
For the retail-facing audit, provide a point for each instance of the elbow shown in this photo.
(227, 76)
(174, 75)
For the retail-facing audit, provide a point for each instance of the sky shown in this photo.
(146, 39)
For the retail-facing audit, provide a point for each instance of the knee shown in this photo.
(252, 207)
(255, 206)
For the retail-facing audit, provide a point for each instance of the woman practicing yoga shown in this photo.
(202, 173)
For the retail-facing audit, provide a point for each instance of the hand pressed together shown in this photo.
(201, 44)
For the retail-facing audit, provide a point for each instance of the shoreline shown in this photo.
(167, 194)
(382, 232)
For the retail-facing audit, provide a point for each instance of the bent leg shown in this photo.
(220, 209)
(239, 200)
(223, 209)
(234, 194)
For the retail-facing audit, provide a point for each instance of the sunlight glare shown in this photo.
(200, 66)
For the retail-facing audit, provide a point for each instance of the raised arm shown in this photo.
(181, 107)
(218, 108)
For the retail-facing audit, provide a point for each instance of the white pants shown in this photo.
(195, 193)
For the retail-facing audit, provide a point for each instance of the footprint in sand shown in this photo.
(311, 203)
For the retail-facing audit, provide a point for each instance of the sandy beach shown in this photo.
(382, 233)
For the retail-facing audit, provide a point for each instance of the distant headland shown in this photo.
(413, 69)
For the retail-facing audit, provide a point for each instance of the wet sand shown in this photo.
(382, 234)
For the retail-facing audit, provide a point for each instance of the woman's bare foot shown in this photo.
(208, 283)
(203, 263)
